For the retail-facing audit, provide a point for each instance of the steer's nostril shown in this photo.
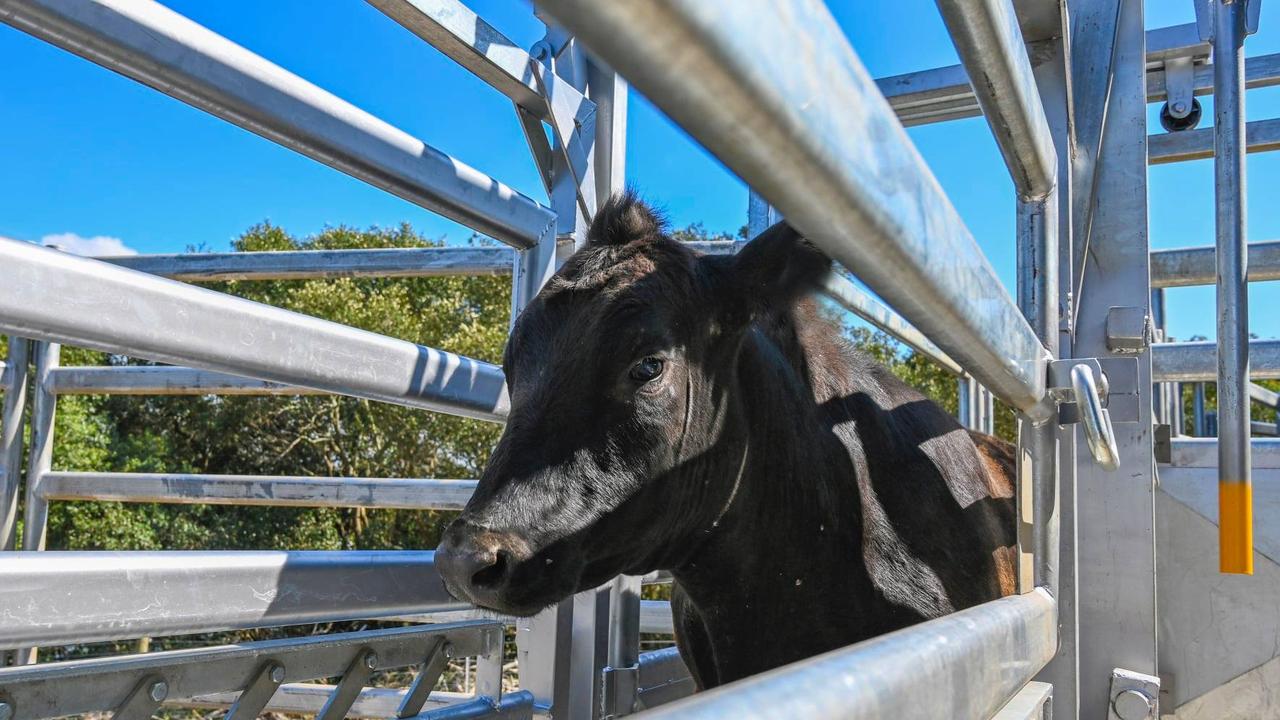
(492, 575)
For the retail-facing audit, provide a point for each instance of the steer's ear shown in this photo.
(776, 268)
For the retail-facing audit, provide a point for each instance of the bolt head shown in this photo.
(6, 711)
(277, 674)
(1133, 705)
(371, 661)
(1180, 107)
(159, 691)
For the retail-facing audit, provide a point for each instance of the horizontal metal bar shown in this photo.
(1259, 72)
(1184, 267)
(191, 489)
(1175, 41)
(861, 303)
(972, 663)
(1267, 429)
(50, 295)
(941, 94)
(663, 678)
(162, 380)
(56, 597)
(1164, 148)
(989, 41)
(1257, 393)
(874, 207)
(316, 264)
(81, 686)
(1198, 361)
(1203, 453)
(373, 702)
(147, 42)
(655, 617)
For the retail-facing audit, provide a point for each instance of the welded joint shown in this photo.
(621, 690)
(1134, 696)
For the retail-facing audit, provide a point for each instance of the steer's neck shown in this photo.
(766, 569)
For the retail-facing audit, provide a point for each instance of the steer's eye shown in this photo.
(646, 370)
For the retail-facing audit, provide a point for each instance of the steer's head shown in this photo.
(625, 435)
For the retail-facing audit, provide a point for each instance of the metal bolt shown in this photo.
(371, 661)
(1179, 107)
(1133, 705)
(159, 690)
(277, 674)
(6, 711)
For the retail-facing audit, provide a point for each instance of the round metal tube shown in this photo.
(1235, 496)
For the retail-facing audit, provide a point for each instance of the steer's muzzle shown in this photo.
(477, 564)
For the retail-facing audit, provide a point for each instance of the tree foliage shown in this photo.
(296, 436)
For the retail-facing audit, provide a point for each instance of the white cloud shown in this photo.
(97, 245)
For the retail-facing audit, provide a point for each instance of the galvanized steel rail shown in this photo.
(318, 264)
(795, 132)
(1197, 361)
(44, 294)
(968, 665)
(197, 489)
(1185, 267)
(101, 595)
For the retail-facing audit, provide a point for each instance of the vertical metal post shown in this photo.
(989, 412)
(1115, 518)
(1044, 283)
(1160, 395)
(1235, 495)
(564, 650)
(11, 438)
(1179, 416)
(760, 214)
(40, 460)
(963, 400)
(1199, 427)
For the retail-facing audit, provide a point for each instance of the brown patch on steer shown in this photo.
(997, 458)
(1006, 560)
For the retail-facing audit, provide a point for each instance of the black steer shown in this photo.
(694, 413)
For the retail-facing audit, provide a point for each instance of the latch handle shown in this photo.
(1097, 421)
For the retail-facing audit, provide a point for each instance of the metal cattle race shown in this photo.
(775, 91)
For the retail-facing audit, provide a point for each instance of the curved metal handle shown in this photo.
(1097, 421)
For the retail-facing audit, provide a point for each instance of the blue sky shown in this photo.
(103, 162)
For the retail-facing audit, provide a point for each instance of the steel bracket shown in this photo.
(1179, 83)
(1118, 387)
(621, 690)
(1134, 696)
(1128, 330)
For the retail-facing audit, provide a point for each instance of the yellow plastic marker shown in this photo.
(1235, 527)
